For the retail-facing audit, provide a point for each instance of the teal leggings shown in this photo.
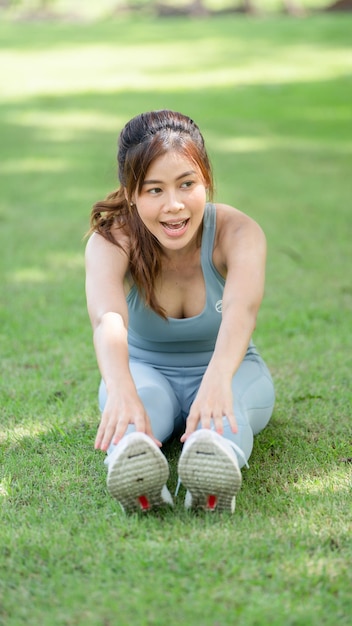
(168, 392)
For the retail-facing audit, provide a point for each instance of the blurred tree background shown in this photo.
(32, 9)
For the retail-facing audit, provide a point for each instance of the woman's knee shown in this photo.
(243, 439)
(259, 400)
(162, 408)
(253, 388)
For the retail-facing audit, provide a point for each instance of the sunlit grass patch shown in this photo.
(78, 69)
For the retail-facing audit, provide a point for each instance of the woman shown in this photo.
(174, 284)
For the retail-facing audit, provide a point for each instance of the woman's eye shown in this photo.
(154, 190)
(187, 183)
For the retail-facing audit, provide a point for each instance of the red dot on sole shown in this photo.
(211, 502)
(144, 502)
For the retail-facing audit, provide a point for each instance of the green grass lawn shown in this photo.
(273, 98)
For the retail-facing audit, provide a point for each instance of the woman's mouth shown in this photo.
(175, 227)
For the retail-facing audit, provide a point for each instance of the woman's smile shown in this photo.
(175, 229)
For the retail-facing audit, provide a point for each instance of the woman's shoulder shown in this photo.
(228, 213)
(112, 250)
(236, 233)
(116, 238)
(232, 220)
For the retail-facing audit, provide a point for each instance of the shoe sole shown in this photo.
(138, 476)
(209, 474)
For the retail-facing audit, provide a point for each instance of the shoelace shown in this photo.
(238, 451)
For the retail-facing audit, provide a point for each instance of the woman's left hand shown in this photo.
(213, 402)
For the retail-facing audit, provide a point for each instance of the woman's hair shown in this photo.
(145, 138)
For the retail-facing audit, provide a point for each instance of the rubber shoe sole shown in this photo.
(208, 469)
(137, 474)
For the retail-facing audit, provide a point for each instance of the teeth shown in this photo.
(175, 225)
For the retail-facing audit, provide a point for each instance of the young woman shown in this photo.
(174, 284)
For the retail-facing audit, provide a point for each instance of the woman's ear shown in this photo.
(129, 200)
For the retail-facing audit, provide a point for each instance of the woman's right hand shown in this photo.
(120, 410)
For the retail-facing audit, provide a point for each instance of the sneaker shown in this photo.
(137, 474)
(208, 468)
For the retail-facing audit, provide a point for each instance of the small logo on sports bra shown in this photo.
(218, 306)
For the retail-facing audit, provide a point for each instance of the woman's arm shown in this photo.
(240, 252)
(106, 268)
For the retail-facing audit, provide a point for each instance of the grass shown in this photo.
(272, 98)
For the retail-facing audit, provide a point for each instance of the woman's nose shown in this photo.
(174, 203)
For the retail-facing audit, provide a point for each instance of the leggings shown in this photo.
(168, 392)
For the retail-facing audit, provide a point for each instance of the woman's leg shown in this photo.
(254, 399)
(157, 397)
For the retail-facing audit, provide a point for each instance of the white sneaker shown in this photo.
(137, 474)
(208, 468)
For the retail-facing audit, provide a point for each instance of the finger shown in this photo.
(97, 443)
(100, 434)
(98, 440)
(142, 425)
(231, 418)
(205, 420)
(189, 430)
(218, 422)
(192, 424)
(149, 432)
(117, 434)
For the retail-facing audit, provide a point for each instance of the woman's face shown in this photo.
(172, 200)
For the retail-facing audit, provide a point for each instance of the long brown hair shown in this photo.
(145, 138)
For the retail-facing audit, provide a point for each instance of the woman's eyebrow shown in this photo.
(154, 182)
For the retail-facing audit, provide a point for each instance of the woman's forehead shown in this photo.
(173, 161)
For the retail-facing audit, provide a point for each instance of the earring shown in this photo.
(131, 203)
